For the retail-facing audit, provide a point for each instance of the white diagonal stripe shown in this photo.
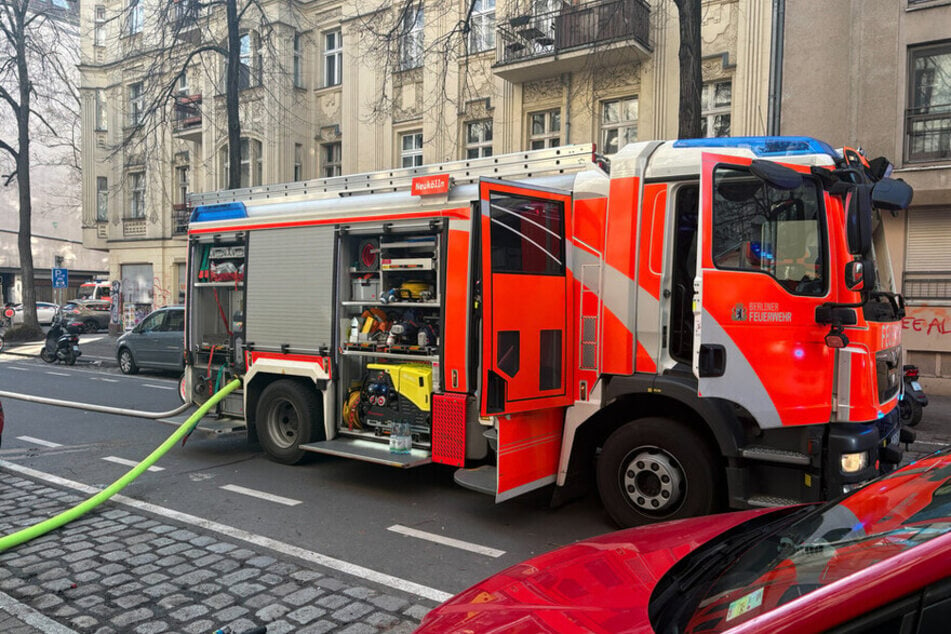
(130, 463)
(37, 441)
(234, 488)
(446, 541)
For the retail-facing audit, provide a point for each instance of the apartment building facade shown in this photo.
(877, 73)
(321, 96)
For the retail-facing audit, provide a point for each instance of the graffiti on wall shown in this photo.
(927, 328)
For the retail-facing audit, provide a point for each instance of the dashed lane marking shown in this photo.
(446, 541)
(57, 373)
(104, 379)
(130, 463)
(234, 488)
(231, 532)
(38, 441)
(159, 387)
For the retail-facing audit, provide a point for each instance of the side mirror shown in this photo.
(859, 220)
(860, 275)
(892, 194)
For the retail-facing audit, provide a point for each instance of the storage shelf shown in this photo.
(432, 358)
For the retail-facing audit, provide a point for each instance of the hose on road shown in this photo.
(89, 407)
(26, 534)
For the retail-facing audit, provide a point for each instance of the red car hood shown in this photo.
(601, 584)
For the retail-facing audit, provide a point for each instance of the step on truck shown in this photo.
(690, 325)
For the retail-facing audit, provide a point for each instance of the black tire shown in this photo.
(916, 412)
(288, 415)
(46, 356)
(657, 469)
(127, 362)
(90, 325)
(909, 410)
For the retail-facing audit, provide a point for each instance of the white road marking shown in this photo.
(104, 379)
(231, 532)
(27, 614)
(446, 541)
(37, 441)
(85, 339)
(57, 373)
(159, 387)
(16, 367)
(234, 488)
(130, 463)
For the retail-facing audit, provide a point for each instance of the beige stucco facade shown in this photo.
(295, 124)
(846, 78)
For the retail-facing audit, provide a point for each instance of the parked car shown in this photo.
(89, 315)
(876, 560)
(45, 312)
(158, 341)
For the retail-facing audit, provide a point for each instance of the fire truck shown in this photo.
(691, 325)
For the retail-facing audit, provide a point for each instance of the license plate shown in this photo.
(916, 386)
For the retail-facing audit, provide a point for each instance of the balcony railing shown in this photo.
(180, 215)
(187, 112)
(528, 36)
(928, 133)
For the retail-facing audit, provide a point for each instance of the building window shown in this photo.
(252, 164)
(411, 149)
(331, 154)
(298, 162)
(928, 120)
(99, 26)
(411, 40)
(479, 138)
(182, 86)
(544, 129)
(333, 58)
(181, 190)
(136, 103)
(100, 97)
(715, 101)
(135, 17)
(251, 61)
(618, 123)
(102, 199)
(137, 195)
(298, 62)
(482, 26)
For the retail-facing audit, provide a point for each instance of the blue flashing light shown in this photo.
(763, 145)
(222, 211)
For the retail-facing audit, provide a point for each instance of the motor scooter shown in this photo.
(62, 343)
(913, 398)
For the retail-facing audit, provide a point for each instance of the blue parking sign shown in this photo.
(60, 278)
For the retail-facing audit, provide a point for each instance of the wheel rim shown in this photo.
(125, 361)
(283, 424)
(653, 480)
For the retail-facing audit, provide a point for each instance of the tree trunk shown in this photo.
(691, 79)
(24, 238)
(232, 88)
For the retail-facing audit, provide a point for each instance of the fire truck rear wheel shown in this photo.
(285, 420)
(656, 469)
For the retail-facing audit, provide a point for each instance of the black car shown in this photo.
(90, 315)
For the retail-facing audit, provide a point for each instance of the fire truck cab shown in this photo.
(690, 324)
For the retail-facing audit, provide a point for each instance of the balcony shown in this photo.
(180, 215)
(539, 45)
(185, 20)
(187, 117)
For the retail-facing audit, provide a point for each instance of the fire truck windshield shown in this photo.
(762, 228)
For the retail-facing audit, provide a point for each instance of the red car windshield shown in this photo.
(887, 517)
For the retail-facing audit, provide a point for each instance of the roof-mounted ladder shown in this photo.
(559, 160)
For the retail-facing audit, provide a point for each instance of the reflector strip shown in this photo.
(449, 429)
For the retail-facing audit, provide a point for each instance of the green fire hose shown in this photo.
(25, 535)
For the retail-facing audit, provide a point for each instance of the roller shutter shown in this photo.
(928, 256)
(290, 289)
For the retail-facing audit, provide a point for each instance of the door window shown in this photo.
(760, 228)
(527, 235)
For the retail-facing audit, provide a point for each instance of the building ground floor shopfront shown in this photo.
(150, 275)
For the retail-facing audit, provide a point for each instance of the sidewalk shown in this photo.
(98, 348)
(118, 569)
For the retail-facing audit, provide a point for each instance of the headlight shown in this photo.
(854, 462)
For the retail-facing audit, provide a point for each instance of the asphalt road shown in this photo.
(392, 521)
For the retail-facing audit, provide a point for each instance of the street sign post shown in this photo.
(60, 278)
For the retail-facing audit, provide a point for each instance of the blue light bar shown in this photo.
(763, 145)
(222, 211)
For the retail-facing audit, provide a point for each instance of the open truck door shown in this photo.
(762, 270)
(525, 329)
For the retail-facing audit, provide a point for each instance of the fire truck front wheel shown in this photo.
(285, 419)
(656, 469)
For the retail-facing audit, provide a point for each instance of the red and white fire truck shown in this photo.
(692, 325)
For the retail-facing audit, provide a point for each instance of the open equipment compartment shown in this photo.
(390, 316)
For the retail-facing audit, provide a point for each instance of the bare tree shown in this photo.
(179, 38)
(32, 48)
(691, 80)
